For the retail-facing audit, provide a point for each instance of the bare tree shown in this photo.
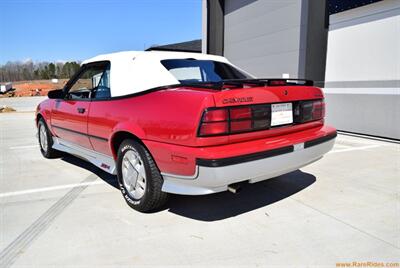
(28, 70)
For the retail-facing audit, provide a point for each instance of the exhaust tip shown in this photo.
(234, 188)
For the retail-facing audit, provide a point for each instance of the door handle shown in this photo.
(81, 110)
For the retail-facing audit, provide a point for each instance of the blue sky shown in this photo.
(75, 30)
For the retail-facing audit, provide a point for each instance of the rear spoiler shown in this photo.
(274, 81)
(228, 84)
(240, 83)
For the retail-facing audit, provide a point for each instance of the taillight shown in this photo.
(240, 113)
(306, 111)
(215, 128)
(215, 115)
(214, 122)
(240, 119)
(261, 117)
(239, 126)
(318, 109)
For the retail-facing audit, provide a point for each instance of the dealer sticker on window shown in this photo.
(281, 114)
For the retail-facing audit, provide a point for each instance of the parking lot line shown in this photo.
(23, 147)
(53, 188)
(354, 149)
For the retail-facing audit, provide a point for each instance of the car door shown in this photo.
(100, 119)
(70, 115)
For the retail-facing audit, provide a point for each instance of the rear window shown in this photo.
(193, 71)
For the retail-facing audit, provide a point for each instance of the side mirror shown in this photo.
(56, 94)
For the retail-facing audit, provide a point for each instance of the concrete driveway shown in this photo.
(22, 104)
(66, 212)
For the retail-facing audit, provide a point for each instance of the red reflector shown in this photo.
(237, 126)
(215, 115)
(240, 113)
(179, 159)
(213, 128)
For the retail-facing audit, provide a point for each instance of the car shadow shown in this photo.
(225, 205)
(108, 178)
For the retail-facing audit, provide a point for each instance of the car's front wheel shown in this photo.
(139, 178)
(46, 140)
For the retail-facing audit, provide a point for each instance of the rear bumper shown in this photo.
(214, 175)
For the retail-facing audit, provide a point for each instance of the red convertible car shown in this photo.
(183, 123)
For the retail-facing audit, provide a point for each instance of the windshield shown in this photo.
(194, 71)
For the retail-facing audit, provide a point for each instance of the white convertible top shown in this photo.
(136, 71)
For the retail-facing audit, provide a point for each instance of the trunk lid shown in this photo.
(263, 95)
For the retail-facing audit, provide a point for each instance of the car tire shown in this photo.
(45, 139)
(139, 179)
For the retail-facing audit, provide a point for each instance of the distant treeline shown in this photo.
(18, 71)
